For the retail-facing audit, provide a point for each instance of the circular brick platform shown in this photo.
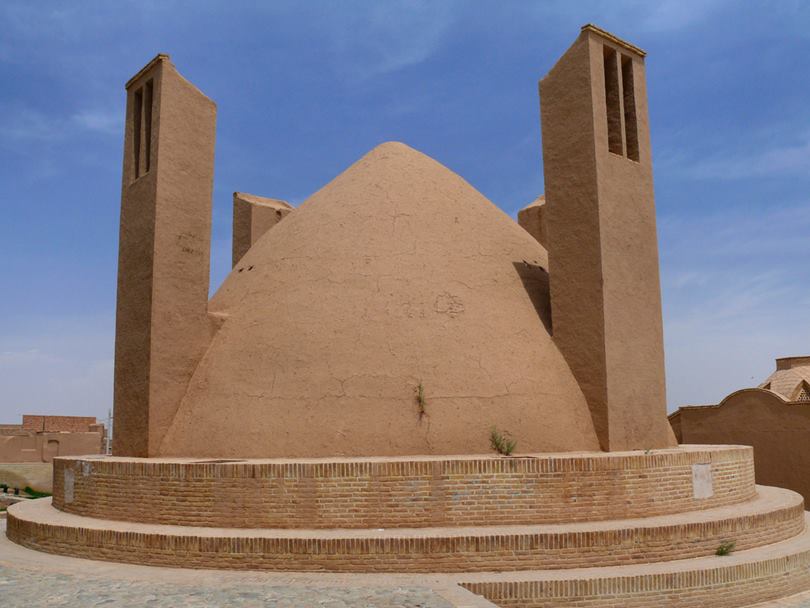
(405, 492)
(540, 530)
(739, 580)
(775, 515)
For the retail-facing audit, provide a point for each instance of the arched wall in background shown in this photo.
(778, 429)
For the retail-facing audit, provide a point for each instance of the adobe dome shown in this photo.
(791, 378)
(395, 274)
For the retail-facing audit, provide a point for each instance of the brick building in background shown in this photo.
(40, 438)
(27, 450)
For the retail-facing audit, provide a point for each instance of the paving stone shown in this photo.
(32, 589)
(801, 600)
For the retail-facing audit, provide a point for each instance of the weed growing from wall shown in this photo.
(503, 443)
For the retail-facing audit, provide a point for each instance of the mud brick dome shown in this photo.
(397, 273)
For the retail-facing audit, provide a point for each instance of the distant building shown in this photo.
(40, 438)
(774, 418)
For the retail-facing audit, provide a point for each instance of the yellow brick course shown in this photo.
(717, 586)
(388, 493)
(776, 516)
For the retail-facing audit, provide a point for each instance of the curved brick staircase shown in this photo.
(614, 529)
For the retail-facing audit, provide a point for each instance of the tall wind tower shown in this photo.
(603, 250)
(162, 325)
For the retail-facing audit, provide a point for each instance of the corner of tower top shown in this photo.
(153, 62)
(590, 27)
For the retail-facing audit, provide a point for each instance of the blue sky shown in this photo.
(305, 88)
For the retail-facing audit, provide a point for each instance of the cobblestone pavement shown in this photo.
(32, 579)
(54, 589)
(797, 601)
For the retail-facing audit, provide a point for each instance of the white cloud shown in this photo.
(672, 15)
(21, 357)
(628, 16)
(384, 37)
(689, 278)
(736, 293)
(108, 122)
(762, 157)
(27, 124)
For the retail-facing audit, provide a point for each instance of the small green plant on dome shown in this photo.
(503, 443)
(421, 402)
(725, 548)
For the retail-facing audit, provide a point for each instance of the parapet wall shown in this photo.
(775, 428)
(71, 424)
(28, 446)
(414, 492)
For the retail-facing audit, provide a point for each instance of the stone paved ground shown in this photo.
(797, 601)
(32, 579)
(54, 589)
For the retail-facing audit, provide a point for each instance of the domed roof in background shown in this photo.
(397, 278)
(791, 378)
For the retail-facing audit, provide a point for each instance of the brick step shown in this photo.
(404, 492)
(745, 578)
(774, 515)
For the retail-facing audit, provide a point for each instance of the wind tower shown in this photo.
(603, 250)
(162, 325)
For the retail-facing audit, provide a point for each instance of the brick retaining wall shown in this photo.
(719, 587)
(484, 549)
(386, 493)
